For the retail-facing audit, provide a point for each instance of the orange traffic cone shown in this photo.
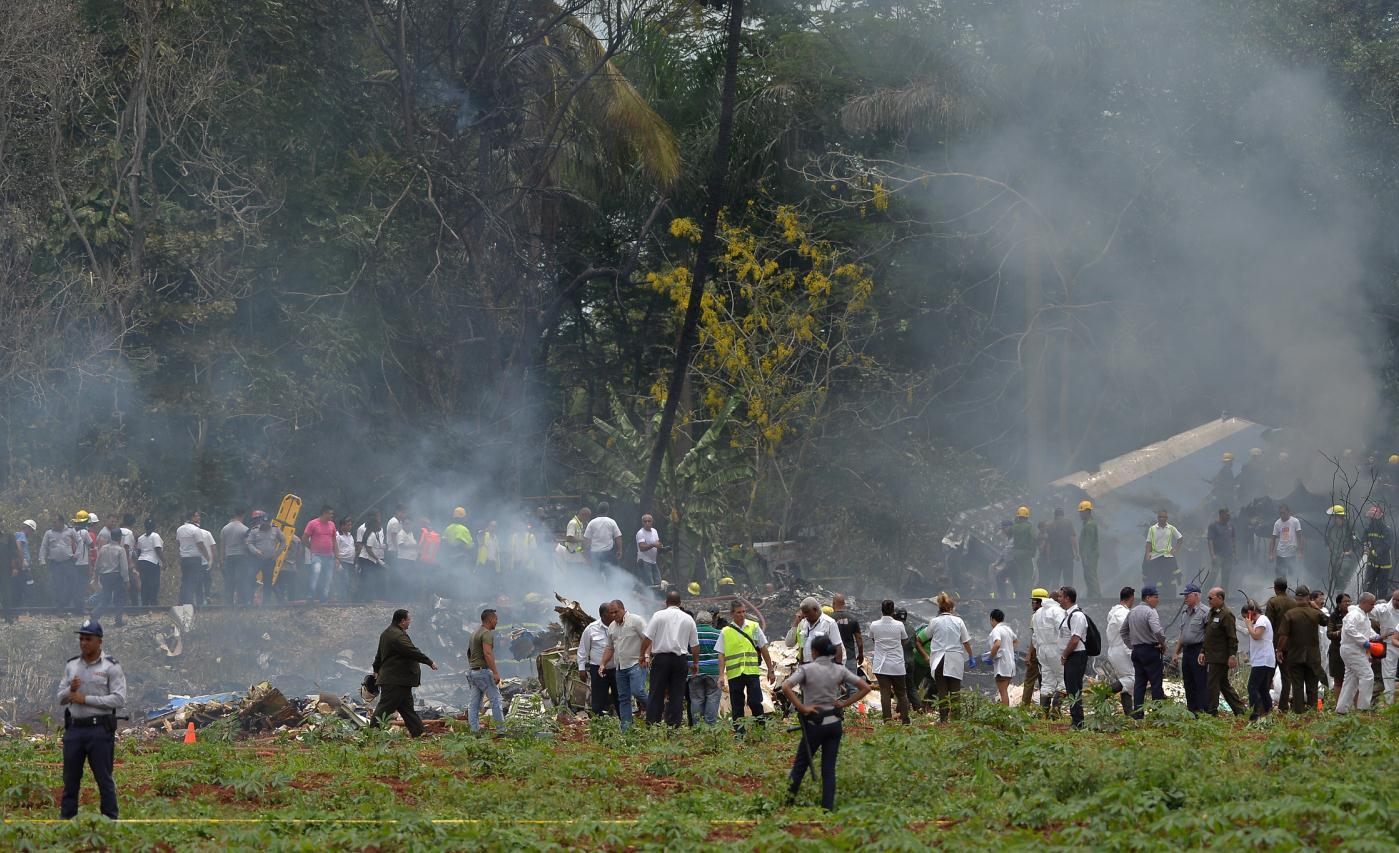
(189, 733)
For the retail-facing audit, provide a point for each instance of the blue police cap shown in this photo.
(90, 626)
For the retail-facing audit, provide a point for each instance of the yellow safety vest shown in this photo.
(740, 652)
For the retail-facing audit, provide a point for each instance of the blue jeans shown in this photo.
(704, 698)
(479, 684)
(319, 573)
(631, 685)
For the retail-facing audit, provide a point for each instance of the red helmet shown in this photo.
(1376, 512)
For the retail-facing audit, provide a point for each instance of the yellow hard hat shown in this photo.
(694, 588)
(726, 581)
(1394, 459)
(1338, 509)
(1227, 457)
(1255, 451)
(1039, 592)
(1022, 512)
(459, 512)
(827, 609)
(533, 598)
(80, 517)
(1084, 506)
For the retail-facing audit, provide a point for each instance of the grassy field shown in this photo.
(996, 777)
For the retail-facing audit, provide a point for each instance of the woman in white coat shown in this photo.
(949, 647)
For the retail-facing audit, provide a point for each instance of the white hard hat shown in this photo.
(29, 522)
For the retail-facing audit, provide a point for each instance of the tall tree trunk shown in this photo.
(714, 201)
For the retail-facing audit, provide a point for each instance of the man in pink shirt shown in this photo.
(319, 539)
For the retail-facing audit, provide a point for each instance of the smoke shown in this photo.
(1195, 211)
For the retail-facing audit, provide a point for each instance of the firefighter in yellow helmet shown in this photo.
(1224, 481)
(1024, 539)
(1088, 550)
(694, 588)
(1340, 547)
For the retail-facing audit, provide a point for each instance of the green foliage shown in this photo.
(995, 777)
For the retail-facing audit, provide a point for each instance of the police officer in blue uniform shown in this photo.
(93, 689)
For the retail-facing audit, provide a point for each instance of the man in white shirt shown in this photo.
(1356, 634)
(812, 623)
(887, 636)
(591, 648)
(1073, 631)
(1285, 547)
(623, 653)
(648, 549)
(194, 554)
(1388, 614)
(669, 635)
(1162, 544)
(1044, 632)
(604, 538)
(1119, 657)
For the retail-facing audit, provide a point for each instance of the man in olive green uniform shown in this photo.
(1088, 550)
(397, 669)
(1299, 646)
(1220, 654)
(1024, 540)
(1275, 609)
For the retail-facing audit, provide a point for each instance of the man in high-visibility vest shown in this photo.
(458, 546)
(740, 645)
(574, 542)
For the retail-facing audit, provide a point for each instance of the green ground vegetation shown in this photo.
(998, 776)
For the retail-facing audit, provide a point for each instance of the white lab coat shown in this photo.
(946, 634)
(1044, 627)
(1119, 656)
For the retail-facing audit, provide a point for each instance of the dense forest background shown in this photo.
(366, 249)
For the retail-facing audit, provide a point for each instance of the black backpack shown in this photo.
(1092, 640)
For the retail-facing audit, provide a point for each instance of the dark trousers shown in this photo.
(371, 580)
(1305, 678)
(668, 675)
(1195, 676)
(1074, 670)
(67, 585)
(150, 582)
(746, 690)
(191, 580)
(96, 746)
(235, 567)
(893, 689)
(826, 739)
(398, 698)
(602, 696)
(947, 689)
(1161, 573)
(1146, 669)
(1260, 691)
(1285, 689)
(112, 596)
(245, 581)
(1060, 571)
(1218, 682)
(287, 586)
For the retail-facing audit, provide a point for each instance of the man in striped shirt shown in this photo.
(704, 685)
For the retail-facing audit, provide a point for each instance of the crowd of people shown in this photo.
(100, 567)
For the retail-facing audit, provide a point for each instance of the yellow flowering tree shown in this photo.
(783, 318)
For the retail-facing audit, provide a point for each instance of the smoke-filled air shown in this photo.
(494, 404)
